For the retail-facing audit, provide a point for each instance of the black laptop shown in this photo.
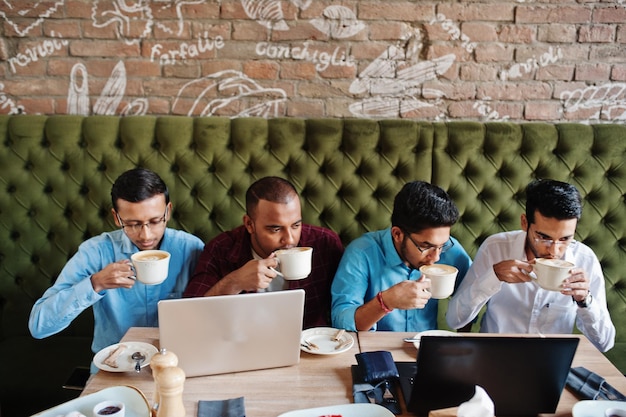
(523, 375)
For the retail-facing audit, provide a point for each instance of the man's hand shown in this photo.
(115, 275)
(407, 295)
(253, 276)
(513, 271)
(577, 285)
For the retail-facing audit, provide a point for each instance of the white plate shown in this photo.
(590, 408)
(432, 333)
(324, 339)
(135, 403)
(124, 361)
(343, 410)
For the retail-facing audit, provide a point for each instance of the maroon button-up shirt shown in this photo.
(231, 250)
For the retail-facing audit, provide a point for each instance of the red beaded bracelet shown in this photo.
(386, 309)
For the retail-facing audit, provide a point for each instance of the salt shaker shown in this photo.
(161, 360)
(171, 381)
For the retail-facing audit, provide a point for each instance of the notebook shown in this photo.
(523, 375)
(233, 333)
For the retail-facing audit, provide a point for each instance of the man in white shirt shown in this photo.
(500, 275)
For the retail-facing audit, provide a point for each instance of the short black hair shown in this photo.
(554, 199)
(273, 189)
(137, 185)
(420, 205)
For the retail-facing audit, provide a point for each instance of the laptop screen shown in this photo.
(523, 375)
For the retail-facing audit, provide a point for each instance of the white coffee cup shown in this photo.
(151, 266)
(294, 263)
(109, 408)
(550, 273)
(442, 278)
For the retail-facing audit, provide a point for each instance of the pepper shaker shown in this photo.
(161, 360)
(171, 381)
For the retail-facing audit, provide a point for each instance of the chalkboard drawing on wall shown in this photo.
(133, 21)
(603, 102)
(226, 92)
(338, 22)
(23, 16)
(393, 81)
(110, 98)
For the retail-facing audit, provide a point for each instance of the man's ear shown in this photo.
(248, 223)
(169, 211)
(115, 218)
(524, 221)
(397, 234)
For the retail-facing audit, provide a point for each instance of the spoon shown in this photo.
(138, 357)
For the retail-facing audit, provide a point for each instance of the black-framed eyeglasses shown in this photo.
(136, 228)
(426, 248)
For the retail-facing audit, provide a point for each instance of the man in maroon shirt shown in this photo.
(241, 260)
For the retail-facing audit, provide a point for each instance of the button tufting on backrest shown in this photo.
(59, 171)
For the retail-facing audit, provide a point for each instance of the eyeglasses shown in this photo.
(136, 228)
(423, 249)
(547, 243)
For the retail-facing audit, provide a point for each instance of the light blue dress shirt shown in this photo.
(115, 310)
(371, 264)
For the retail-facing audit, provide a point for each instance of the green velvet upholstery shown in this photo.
(56, 173)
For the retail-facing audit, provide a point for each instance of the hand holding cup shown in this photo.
(151, 266)
(442, 278)
(294, 263)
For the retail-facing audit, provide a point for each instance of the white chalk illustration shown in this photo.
(110, 98)
(338, 22)
(487, 112)
(14, 13)
(78, 94)
(132, 22)
(302, 4)
(113, 91)
(225, 90)
(268, 13)
(7, 103)
(164, 8)
(607, 101)
(394, 78)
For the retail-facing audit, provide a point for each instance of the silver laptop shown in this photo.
(233, 333)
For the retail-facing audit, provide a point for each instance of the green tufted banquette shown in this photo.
(56, 173)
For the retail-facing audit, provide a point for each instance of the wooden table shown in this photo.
(318, 380)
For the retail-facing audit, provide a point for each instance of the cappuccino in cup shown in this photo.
(551, 273)
(151, 266)
(294, 263)
(442, 279)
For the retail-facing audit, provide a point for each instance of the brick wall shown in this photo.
(534, 60)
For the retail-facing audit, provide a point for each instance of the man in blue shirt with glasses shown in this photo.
(378, 285)
(100, 275)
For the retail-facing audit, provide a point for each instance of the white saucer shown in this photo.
(134, 401)
(124, 361)
(343, 410)
(432, 333)
(323, 338)
(591, 408)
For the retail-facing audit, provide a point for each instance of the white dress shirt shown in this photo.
(525, 307)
